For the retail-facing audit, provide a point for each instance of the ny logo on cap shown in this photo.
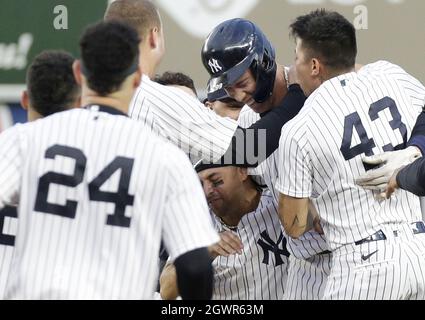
(215, 66)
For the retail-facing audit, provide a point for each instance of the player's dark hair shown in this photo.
(328, 35)
(176, 78)
(142, 15)
(50, 82)
(109, 53)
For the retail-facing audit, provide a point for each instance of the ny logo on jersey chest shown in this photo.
(267, 244)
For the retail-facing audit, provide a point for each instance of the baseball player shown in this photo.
(226, 108)
(51, 87)
(182, 119)
(177, 80)
(377, 246)
(310, 258)
(97, 192)
(251, 259)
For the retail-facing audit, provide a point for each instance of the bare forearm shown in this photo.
(300, 226)
(168, 283)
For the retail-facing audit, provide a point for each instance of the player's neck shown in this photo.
(232, 215)
(148, 63)
(280, 88)
(251, 199)
(332, 73)
(33, 115)
(119, 100)
(148, 70)
(106, 101)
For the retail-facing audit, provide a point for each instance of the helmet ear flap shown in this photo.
(266, 70)
(267, 62)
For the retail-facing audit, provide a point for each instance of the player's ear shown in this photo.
(153, 37)
(209, 104)
(25, 100)
(76, 69)
(315, 67)
(243, 173)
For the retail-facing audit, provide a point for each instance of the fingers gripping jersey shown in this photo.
(96, 195)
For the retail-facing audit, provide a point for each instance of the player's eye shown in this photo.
(241, 84)
(217, 183)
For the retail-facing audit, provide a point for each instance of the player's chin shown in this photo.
(215, 204)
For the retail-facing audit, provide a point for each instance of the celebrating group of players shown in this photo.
(281, 204)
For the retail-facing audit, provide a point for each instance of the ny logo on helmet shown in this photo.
(215, 66)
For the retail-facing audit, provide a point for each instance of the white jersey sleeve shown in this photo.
(10, 164)
(187, 221)
(295, 172)
(247, 117)
(183, 120)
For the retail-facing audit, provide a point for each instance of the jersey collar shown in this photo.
(104, 108)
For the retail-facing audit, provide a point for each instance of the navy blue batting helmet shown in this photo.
(231, 48)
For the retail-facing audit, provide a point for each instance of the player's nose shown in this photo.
(208, 189)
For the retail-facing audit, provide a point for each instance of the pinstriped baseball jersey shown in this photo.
(96, 194)
(260, 272)
(350, 116)
(8, 226)
(309, 244)
(182, 119)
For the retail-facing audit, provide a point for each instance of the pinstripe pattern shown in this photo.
(183, 120)
(9, 180)
(83, 257)
(246, 276)
(316, 167)
(312, 284)
(307, 245)
(307, 278)
(8, 226)
(395, 272)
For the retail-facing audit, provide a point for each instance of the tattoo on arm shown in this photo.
(296, 223)
(304, 227)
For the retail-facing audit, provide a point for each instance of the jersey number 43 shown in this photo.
(353, 122)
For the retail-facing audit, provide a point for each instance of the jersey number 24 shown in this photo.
(121, 198)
